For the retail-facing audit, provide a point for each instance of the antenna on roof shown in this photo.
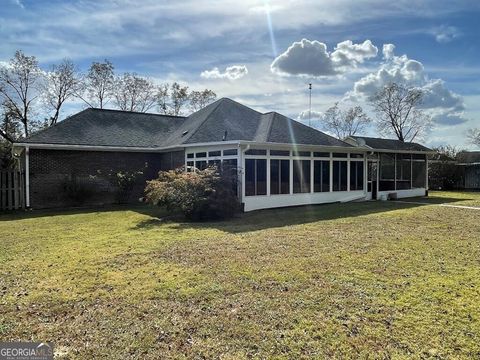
(310, 105)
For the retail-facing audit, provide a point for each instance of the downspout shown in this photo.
(27, 177)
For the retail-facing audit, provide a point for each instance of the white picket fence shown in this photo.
(12, 190)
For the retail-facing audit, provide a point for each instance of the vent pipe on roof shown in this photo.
(225, 135)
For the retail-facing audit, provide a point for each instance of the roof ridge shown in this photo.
(136, 112)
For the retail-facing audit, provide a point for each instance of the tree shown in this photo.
(473, 136)
(443, 172)
(345, 123)
(134, 93)
(19, 81)
(98, 85)
(62, 83)
(172, 99)
(397, 112)
(200, 99)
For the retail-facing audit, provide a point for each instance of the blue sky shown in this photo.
(228, 46)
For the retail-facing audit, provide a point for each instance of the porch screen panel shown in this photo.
(255, 177)
(404, 171)
(340, 175)
(419, 171)
(301, 176)
(279, 177)
(356, 175)
(321, 176)
(387, 172)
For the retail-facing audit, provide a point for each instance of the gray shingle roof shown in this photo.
(98, 127)
(224, 119)
(389, 144)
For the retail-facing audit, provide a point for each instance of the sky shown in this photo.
(265, 53)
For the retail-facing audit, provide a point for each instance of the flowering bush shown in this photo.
(201, 195)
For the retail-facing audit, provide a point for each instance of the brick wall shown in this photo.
(63, 178)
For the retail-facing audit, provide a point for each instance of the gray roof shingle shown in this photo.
(224, 119)
(389, 144)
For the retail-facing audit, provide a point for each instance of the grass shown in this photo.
(359, 280)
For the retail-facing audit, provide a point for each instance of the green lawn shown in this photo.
(358, 280)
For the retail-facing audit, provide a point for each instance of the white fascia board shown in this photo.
(304, 146)
(403, 151)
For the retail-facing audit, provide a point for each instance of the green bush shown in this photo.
(201, 195)
(124, 182)
(77, 191)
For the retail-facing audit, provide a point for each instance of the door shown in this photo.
(372, 178)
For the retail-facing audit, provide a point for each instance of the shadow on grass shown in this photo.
(245, 222)
(274, 218)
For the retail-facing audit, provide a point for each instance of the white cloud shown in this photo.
(305, 115)
(233, 72)
(387, 51)
(311, 58)
(444, 34)
(445, 106)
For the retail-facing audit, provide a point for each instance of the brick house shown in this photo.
(280, 162)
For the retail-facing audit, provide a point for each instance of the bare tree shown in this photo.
(98, 85)
(178, 97)
(200, 99)
(473, 136)
(172, 99)
(62, 83)
(134, 93)
(19, 81)
(344, 123)
(397, 112)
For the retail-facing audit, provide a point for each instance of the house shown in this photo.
(281, 162)
(469, 162)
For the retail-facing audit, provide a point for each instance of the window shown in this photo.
(340, 155)
(256, 152)
(340, 176)
(279, 177)
(229, 152)
(255, 177)
(321, 154)
(279, 153)
(356, 156)
(230, 163)
(214, 153)
(404, 171)
(387, 172)
(190, 165)
(201, 165)
(301, 153)
(301, 176)
(214, 163)
(356, 175)
(201, 154)
(190, 156)
(321, 175)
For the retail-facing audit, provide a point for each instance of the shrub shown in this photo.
(201, 195)
(124, 182)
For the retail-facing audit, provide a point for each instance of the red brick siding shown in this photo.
(52, 170)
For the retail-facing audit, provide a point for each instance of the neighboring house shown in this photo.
(469, 161)
(281, 162)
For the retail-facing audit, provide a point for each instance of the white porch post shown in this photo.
(349, 164)
(291, 175)
(331, 173)
(27, 177)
